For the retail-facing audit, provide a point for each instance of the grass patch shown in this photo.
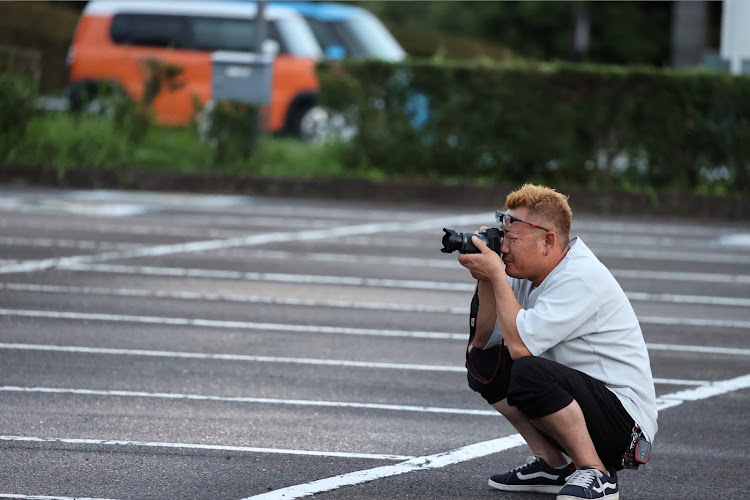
(64, 141)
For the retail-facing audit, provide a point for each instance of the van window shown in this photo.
(150, 30)
(211, 33)
(223, 34)
(324, 33)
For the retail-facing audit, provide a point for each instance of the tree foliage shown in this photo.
(621, 32)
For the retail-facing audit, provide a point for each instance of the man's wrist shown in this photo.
(498, 277)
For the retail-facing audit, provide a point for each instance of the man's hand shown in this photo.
(484, 266)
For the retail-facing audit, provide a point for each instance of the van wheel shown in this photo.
(313, 124)
(94, 97)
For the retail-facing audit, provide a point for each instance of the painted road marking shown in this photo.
(236, 399)
(600, 241)
(377, 282)
(239, 298)
(347, 304)
(602, 251)
(409, 464)
(451, 263)
(243, 325)
(229, 357)
(45, 497)
(251, 325)
(474, 451)
(64, 243)
(292, 402)
(311, 361)
(734, 240)
(436, 461)
(704, 392)
(196, 446)
(242, 241)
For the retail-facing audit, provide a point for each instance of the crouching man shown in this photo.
(575, 377)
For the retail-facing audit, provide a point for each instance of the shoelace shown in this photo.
(529, 461)
(583, 477)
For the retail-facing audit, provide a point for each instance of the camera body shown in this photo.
(453, 240)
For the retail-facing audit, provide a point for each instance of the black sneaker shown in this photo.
(536, 475)
(590, 483)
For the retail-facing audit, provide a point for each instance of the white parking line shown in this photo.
(243, 241)
(229, 399)
(390, 283)
(737, 279)
(436, 461)
(243, 325)
(229, 357)
(323, 362)
(348, 304)
(291, 402)
(410, 464)
(223, 297)
(704, 392)
(179, 272)
(336, 330)
(450, 263)
(600, 251)
(64, 243)
(197, 446)
(45, 497)
(474, 451)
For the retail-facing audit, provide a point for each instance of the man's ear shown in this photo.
(550, 240)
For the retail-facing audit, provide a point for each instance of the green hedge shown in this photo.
(563, 124)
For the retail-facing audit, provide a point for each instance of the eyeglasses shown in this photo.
(506, 220)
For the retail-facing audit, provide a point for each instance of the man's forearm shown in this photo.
(486, 316)
(507, 308)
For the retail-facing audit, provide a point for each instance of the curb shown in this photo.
(581, 200)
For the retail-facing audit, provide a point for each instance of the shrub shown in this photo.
(17, 95)
(567, 124)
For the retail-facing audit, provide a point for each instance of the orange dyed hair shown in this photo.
(547, 207)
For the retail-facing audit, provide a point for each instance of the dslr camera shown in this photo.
(453, 240)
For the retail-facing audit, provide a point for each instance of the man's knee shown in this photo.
(534, 388)
(527, 369)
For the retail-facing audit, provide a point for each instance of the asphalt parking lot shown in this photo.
(165, 346)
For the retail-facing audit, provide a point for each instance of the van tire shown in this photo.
(305, 120)
(313, 124)
(87, 95)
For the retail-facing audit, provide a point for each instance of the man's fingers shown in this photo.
(481, 246)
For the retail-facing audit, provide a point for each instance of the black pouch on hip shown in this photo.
(485, 368)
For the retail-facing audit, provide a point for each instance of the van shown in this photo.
(113, 38)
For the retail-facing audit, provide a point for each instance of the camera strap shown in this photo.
(489, 357)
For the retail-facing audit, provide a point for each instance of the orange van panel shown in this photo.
(96, 57)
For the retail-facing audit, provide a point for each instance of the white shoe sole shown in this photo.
(540, 488)
(611, 496)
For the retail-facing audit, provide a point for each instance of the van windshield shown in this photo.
(372, 38)
(298, 37)
(362, 36)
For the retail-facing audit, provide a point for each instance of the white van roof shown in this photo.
(186, 8)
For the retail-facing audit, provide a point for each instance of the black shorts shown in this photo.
(539, 387)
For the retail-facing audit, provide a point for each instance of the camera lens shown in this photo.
(453, 240)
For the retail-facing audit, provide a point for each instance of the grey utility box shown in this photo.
(241, 77)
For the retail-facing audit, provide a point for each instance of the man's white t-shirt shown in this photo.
(580, 317)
